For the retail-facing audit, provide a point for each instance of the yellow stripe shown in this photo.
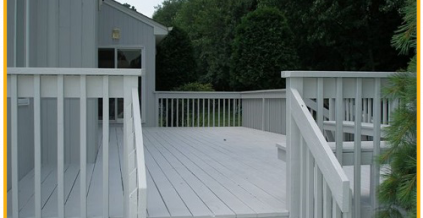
(4, 108)
(419, 58)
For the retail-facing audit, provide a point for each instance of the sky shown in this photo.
(145, 7)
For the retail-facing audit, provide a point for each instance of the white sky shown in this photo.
(145, 7)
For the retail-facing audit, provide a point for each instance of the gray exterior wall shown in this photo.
(274, 114)
(25, 150)
(10, 33)
(134, 34)
(62, 34)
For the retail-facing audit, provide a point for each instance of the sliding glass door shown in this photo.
(130, 58)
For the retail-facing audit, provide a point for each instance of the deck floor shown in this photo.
(191, 172)
(72, 185)
(208, 172)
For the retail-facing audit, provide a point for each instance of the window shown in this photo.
(117, 58)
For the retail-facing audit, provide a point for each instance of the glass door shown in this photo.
(117, 58)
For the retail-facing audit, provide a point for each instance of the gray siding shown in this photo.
(10, 33)
(25, 142)
(62, 34)
(133, 33)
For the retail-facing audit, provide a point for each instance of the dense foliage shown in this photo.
(195, 86)
(398, 192)
(263, 45)
(328, 34)
(166, 12)
(175, 63)
(210, 25)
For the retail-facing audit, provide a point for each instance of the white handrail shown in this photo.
(335, 74)
(140, 161)
(196, 95)
(322, 153)
(356, 110)
(73, 71)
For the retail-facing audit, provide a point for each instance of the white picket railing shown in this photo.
(324, 189)
(345, 103)
(198, 109)
(262, 110)
(81, 83)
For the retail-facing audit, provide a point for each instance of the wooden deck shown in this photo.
(208, 172)
(72, 186)
(191, 172)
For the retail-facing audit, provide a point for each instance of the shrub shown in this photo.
(262, 48)
(195, 87)
(175, 63)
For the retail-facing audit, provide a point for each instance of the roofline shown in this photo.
(138, 16)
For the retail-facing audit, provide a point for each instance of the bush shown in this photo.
(195, 87)
(262, 48)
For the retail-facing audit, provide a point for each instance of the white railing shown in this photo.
(198, 109)
(137, 172)
(83, 84)
(350, 107)
(324, 187)
(262, 110)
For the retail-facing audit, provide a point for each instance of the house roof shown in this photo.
(160, 31)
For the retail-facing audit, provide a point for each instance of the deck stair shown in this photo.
(367, 129)
(347, 151)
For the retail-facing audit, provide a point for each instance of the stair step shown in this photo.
(347, 152)
(349, 127)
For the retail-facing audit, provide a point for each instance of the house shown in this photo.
(86, 136)
(77, 34)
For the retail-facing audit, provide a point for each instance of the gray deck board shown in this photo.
(236, 151)
(240, 172)
(158, 209)
(214, 204)
(170, 196)
(199, 158)
(191, 172)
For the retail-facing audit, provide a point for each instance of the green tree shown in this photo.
(262, 48)
(343, 35)
(175, 63)
(210, 25)
(398, 192)
(167, 11)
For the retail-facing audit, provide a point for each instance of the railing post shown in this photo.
(60, 148)
(375, 168)
(340, 117)
(357, 148)
(14, 142)
(83, 145)
(126, 138)
(263, 102)
(293, 163)
(37, 145)
(106, 146)
(156, 110)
